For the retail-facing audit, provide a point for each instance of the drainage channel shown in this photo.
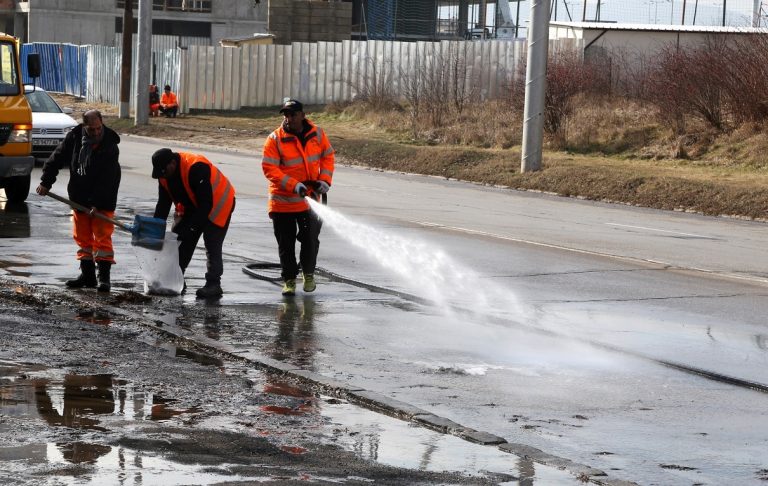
(356, 395)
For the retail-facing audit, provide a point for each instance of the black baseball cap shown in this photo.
(160, 160)
(292, 106)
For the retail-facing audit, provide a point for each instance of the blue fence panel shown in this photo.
(63, 67)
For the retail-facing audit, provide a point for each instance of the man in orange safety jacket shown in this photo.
(169, 104)
(204, 201)
(296, 155)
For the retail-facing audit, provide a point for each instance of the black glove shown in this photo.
(184, 230)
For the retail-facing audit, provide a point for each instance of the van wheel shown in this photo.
(17, 188)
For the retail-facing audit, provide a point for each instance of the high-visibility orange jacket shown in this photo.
(286, 162)
(169, 99)
(223, 191)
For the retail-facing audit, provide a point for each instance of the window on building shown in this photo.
(171, 27)
(199, 6)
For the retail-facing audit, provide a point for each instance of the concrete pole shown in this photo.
(583, 11)
(535, 86)
(725, 6)
(481, 17)
(142, 63)
(756, 13)
(125, 66)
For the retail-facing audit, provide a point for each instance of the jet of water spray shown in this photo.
(423, 267)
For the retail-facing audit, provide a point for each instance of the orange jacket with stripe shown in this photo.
(169, 99)
(286, 162)
(223, 191)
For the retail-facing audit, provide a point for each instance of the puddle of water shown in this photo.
(12, 267)
(86, 402)
(393, 442)
(108, 466)
(94, 316)
(302, 401)
(14, 220)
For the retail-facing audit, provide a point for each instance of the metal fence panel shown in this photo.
(227, 78)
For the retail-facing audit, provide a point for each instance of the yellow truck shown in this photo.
(16, 161)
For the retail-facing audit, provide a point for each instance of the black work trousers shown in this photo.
(289, 227)
(213, 239)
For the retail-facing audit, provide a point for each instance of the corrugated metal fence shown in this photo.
(228, 78)
(63, 67)
(103, 76)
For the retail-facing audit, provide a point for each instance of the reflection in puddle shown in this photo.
(113, 465)
(300, 402)
(94, 316)
(87, 402)
(14, 220)
(393, 442)
(12, 267)
(295, 340)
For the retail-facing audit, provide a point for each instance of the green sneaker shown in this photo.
(289, 287)
(309, 282)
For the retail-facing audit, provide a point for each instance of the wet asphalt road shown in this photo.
(551, 322)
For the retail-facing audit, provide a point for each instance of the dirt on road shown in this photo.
(88, 396)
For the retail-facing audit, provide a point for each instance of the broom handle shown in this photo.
(82, 208)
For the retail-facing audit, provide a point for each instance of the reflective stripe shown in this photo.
(270, 161)
(222, 202)
(216, 182)
(273, 136)
(284, 182)
(320, 134)
(104, 253)
(292, 162)
(285, 199)
(326, 172)
(327, 152)
(314, 157)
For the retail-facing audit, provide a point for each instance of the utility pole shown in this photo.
(481, 17)
(756, 10)
(683, 21)
(724, 5)
(142, 64)
(583, 12)
(535, 86)
(125, 66)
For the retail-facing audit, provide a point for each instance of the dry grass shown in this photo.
(611, 150)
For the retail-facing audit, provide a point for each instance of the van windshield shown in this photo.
(9, 77)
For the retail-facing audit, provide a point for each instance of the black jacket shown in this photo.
(195, 216)
(94, 185)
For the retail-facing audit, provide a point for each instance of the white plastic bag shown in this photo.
(160, 268)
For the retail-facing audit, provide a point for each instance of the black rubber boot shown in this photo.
(211, 290)
(87, 276)
(104, 268)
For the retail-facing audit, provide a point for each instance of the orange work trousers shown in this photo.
(93, 237)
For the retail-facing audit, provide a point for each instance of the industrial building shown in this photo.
(98, 22)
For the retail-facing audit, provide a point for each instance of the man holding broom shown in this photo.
(90, 150)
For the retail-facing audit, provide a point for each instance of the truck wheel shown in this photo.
(17, 188)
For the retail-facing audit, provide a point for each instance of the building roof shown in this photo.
(659, 27)
(255, 35)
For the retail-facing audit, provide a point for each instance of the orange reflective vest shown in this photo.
(286, 162)
(223, 191)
